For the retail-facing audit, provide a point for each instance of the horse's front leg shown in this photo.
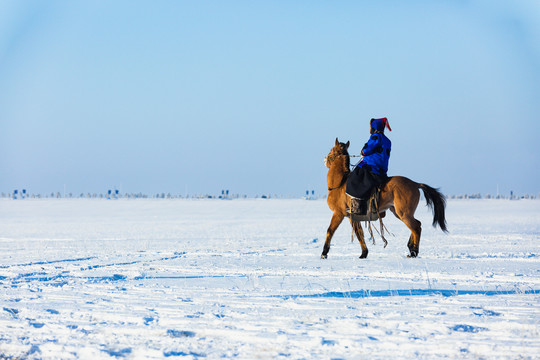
(357, 228)
(334, 224)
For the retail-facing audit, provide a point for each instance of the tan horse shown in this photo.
(399, 195)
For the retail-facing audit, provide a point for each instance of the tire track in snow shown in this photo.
(47, 262)
(44, 277)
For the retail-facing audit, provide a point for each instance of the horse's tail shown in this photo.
(437, 202)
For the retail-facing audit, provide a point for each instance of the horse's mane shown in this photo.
(346, 154)
(347, 160)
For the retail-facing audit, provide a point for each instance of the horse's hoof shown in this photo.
(364, 255)
(324, 256)
(413, 255)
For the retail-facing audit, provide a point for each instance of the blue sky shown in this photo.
(199, 96)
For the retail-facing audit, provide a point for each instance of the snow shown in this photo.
(153, 279)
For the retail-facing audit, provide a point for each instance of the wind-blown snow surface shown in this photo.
(140, 279)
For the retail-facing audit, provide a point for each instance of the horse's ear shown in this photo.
(347, 144)
(337, 141)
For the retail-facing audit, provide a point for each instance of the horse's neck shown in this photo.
(337, 171)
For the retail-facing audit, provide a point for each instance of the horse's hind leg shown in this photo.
(414, 240)
(404, 208)
(357, 228)
(334, 224)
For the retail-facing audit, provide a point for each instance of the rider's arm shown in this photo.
(372, 146)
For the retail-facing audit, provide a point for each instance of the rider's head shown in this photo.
(379, 125)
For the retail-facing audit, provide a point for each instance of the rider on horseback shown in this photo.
(370, 172)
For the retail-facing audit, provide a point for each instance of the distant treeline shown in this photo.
(139, 195)
(225, 196)
(489, 196)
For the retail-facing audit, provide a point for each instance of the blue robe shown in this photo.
(371, 171)
(376, 153)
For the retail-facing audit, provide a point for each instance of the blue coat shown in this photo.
(376, 153)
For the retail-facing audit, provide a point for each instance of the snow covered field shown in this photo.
(151, 279)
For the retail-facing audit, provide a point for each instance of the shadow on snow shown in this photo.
(412, 292)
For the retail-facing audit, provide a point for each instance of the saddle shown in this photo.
(355, 212)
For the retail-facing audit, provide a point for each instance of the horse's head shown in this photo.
(339, 149)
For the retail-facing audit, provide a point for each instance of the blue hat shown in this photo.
(379, 124)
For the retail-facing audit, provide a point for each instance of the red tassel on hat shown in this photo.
(385, 120)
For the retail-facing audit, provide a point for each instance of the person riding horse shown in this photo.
(370, 172)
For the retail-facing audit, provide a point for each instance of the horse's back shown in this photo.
(401, 182)
(399, 189)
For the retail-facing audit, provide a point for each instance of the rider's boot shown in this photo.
(358, 206)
